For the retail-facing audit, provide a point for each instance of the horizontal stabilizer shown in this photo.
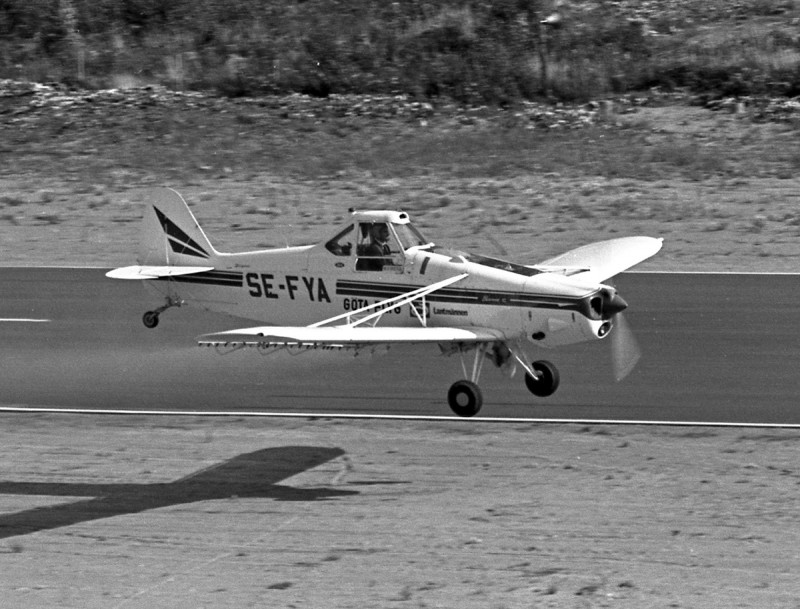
(154, 272)
(342, 337)
(597, 262)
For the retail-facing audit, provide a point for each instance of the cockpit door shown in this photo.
(367, 247)
(377, 248)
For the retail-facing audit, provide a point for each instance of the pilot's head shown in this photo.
(380, 233)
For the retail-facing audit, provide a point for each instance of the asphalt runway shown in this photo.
(715, 348)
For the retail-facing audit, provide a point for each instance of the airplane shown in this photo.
(376, 282)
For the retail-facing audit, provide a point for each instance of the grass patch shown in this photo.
(689, 158)
(12, 201)
(51, 219)
(197, 144)
(500, 153)
(214, 145)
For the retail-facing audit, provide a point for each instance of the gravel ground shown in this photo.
(422, 515)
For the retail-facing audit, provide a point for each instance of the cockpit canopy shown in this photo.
(377, 239)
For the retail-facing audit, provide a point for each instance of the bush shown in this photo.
(473, 51)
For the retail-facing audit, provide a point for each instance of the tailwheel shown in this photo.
(150, 319)
(465, 398)
(546, 381)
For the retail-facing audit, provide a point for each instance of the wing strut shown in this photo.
(377, 310)
(357, 331)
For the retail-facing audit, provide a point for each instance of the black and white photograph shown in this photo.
(428, 303)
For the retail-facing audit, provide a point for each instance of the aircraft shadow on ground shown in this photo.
(251, 475)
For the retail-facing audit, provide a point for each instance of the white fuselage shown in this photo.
(304, 285)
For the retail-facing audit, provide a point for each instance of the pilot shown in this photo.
(380, 239)
(377, 252)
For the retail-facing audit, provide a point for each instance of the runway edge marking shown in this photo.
(386, 417)
(23, 320)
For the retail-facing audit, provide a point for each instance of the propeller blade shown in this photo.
(625, 351)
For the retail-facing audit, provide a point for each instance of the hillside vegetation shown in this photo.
(473, 51)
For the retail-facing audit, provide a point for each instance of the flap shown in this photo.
(344, 336)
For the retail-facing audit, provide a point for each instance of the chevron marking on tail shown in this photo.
(179, 241)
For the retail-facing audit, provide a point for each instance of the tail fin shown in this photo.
(171, 235)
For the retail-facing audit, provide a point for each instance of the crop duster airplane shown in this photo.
(377, 282)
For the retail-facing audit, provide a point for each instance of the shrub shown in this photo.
(464, 49)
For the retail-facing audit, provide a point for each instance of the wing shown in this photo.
(344, 337)
(154, 272)
(355, 329)
(597, 262)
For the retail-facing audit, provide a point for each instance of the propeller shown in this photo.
(625, 351)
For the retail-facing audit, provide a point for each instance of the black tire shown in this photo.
(465, 398)
(150, 319)
(548, 380)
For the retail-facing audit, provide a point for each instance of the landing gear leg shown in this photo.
(465, 397)
(150, 319)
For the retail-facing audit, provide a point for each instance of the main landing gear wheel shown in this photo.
(465, 398)
(150, 319)
(547, 381)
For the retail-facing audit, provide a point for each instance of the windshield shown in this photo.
(409, 236)
(503, 265)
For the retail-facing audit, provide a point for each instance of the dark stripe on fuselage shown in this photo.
(222, 278)
(382, 291)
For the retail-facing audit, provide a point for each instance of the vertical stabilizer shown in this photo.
(171, 235)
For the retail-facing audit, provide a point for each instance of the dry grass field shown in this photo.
(721, 188)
